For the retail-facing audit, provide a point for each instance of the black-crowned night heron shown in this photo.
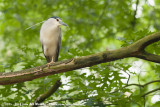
(50, 38)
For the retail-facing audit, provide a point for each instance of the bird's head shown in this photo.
(57, 21)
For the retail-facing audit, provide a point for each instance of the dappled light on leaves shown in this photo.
(94, 26)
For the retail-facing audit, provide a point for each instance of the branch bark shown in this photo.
(47, 94)
(134, 50)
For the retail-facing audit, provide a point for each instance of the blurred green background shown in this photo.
(94, 26)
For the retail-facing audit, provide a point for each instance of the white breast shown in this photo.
(49, 35)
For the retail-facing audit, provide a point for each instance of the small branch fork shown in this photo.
(136, 49)
(138, 85)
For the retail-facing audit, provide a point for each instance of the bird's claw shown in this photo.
(48, 65)
(39, 69)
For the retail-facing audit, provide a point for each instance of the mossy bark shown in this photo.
(136, 49)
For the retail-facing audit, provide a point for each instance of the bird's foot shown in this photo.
(38, 69)
(48, 65)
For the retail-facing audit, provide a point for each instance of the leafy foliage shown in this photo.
(95, 26)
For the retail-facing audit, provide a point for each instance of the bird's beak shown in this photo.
(62, 23)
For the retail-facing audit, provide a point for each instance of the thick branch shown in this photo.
(149, 57)
(141, 44)
(47, 94)
(134, 50)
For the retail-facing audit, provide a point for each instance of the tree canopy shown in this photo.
(114, 42)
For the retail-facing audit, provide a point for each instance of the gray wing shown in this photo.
(58, 46)
(47, 57)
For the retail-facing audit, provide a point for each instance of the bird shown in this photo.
(51, 38)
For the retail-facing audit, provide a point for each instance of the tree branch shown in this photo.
(149, 57)
(141, 44)
(135, 13)
(139, 85)
(150, 92)
(150, 82)
(134, 50)
(47, 94)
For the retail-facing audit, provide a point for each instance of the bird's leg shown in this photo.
(50, 63)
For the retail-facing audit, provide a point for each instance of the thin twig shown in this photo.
(135, 13)
(139, 85)
(150, 92)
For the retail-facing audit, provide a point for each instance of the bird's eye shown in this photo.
(57, 19)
